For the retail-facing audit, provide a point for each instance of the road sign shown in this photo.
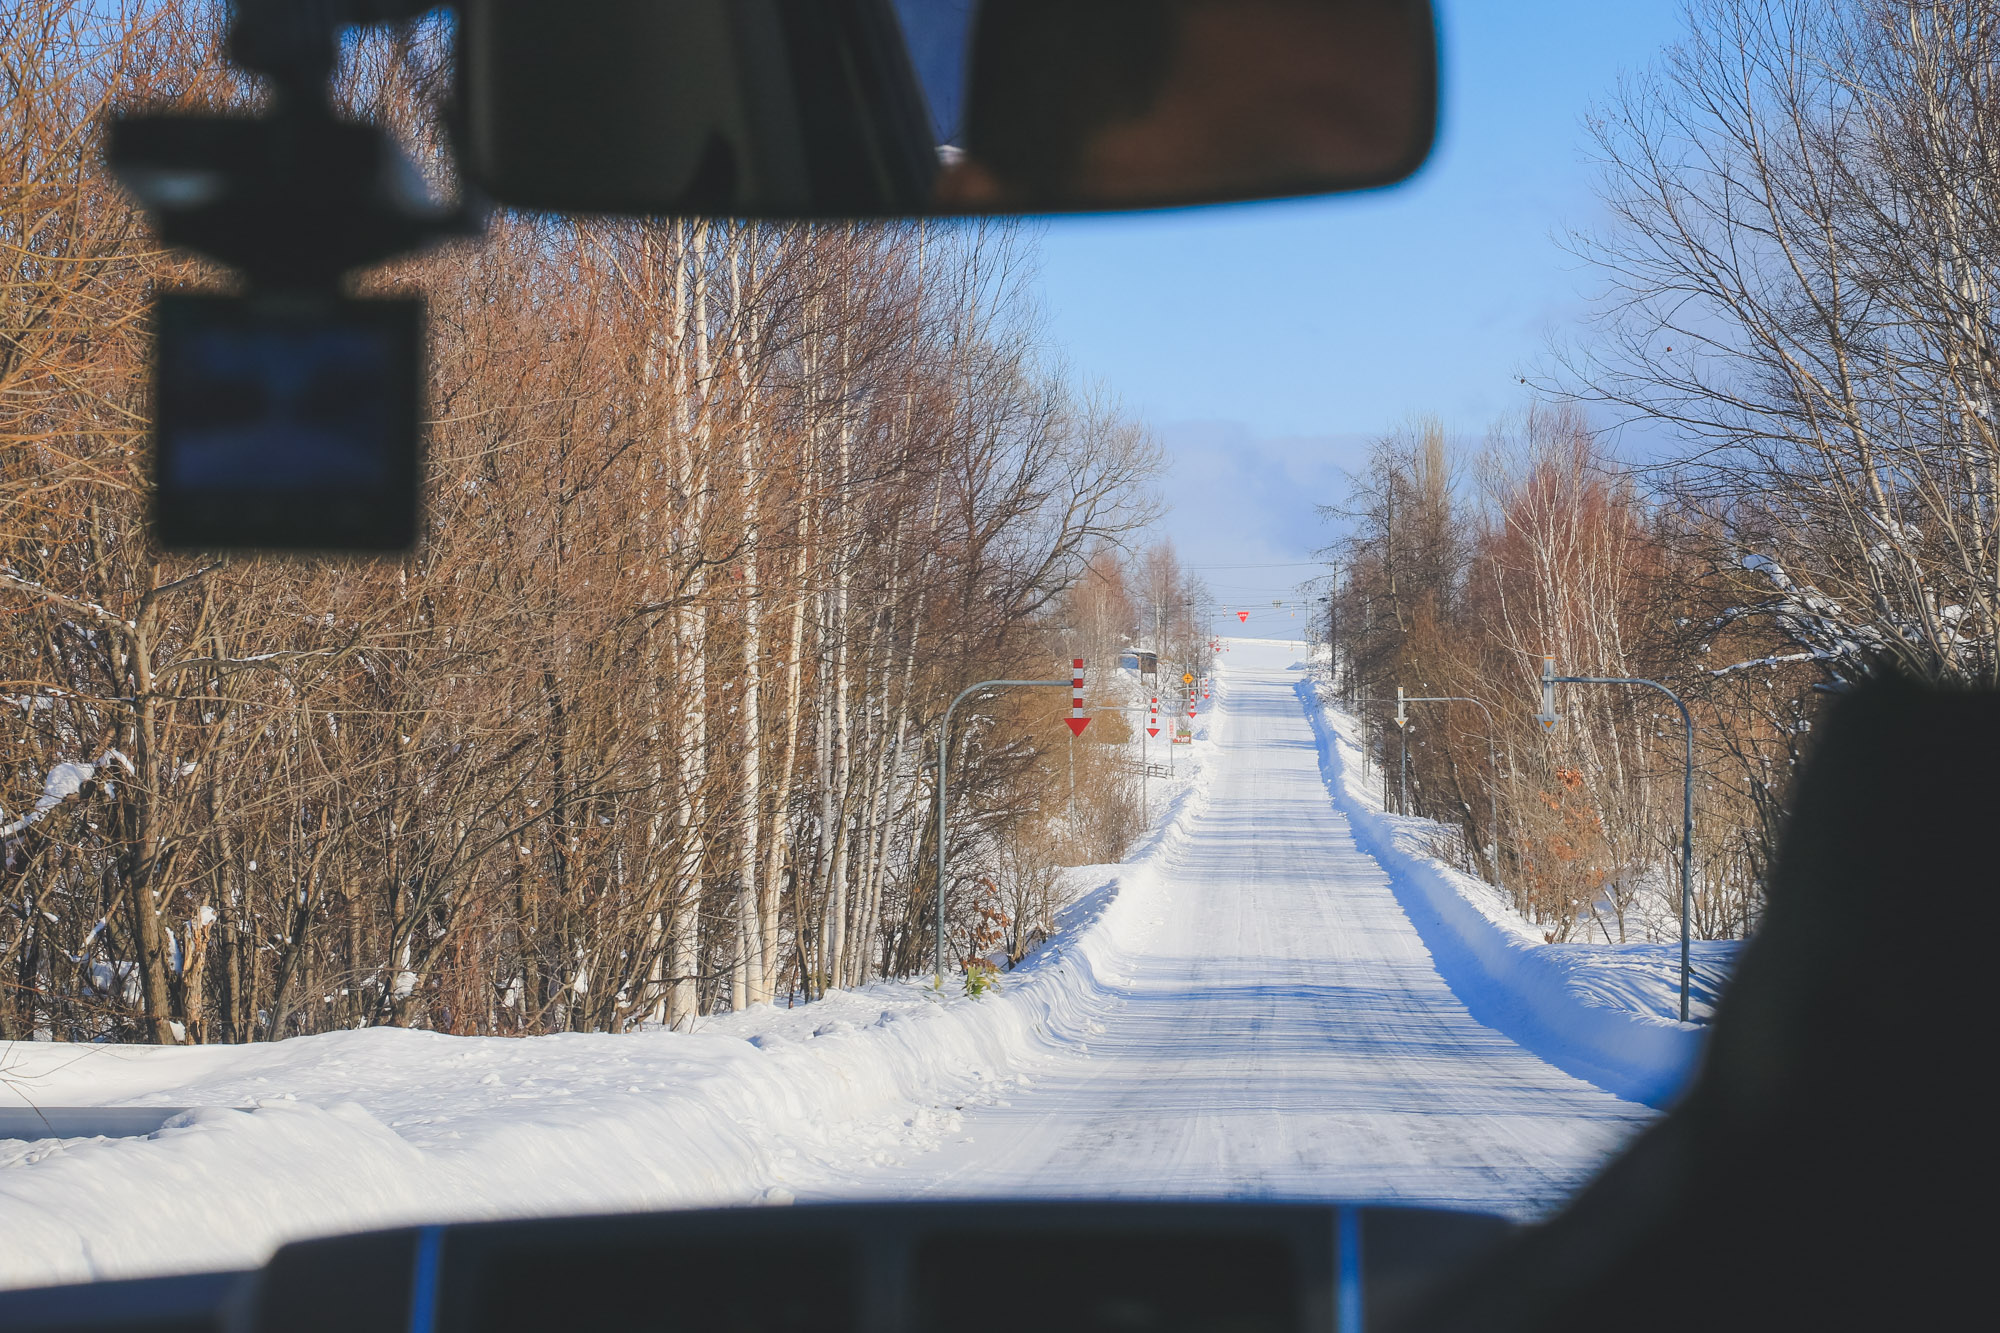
(1243, 616)
(1187, 678)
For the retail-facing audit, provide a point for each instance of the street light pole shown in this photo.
(1547, 717)
(944, 759)
(1492, 759)
(1403, 730)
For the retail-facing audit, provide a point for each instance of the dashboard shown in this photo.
(1124, 1267)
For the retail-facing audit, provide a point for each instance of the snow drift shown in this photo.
(381, 1127)
(1563, 1002)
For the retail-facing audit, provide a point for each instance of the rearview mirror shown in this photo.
(790, 108)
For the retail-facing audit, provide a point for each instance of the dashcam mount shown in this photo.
(289, 417)
(296, 198)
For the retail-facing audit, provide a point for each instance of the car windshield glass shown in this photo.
(1282, 701)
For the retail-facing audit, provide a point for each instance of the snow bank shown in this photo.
(381, 1127)
(1582, 1008)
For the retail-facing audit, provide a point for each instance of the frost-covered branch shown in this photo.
(255, 662)
(14, 582)
(1781, 660)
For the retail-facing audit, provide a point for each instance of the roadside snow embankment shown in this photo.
(1600, 1012)
(381, 1127)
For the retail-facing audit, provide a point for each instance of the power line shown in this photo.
(1280, 564)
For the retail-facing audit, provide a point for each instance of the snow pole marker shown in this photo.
(1076, 720)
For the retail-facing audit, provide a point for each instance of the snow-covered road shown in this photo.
(1243, 1009)
(1283, 1031)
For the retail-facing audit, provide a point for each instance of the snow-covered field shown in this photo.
(1243, 1008)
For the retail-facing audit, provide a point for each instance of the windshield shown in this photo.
(1282, 701)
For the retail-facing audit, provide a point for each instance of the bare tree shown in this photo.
(1800, 276)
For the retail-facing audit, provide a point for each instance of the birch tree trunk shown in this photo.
(690, 641)
(747, 982)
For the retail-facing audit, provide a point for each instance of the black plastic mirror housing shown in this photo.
(804, 108)
(734, 107)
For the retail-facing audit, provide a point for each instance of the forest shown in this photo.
(1765, 472)
(719, 518)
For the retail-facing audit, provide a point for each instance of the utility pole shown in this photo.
(1077, 722)
(1072, 786)
(1403, 731)
(1548, 718)
(1152, 728)
(1492, 759)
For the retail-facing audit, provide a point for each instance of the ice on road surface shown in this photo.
(1283, 1031)
(1241, 1010)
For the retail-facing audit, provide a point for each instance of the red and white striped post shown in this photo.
(1077, 721)
(1145, 765)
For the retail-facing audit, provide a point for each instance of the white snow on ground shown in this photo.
(1242, 1009)
(1606, 1013)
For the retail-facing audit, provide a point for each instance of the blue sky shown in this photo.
(1265, 344)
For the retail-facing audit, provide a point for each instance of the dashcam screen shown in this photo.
(294, 420)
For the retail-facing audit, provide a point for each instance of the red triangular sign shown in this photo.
(1077, 724)
(1152, 731)
(1243, 616)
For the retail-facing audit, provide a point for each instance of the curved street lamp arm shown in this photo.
(944, 759)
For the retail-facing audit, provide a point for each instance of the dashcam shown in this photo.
(287, 423)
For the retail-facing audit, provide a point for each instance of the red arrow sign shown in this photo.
(1077, 724)
(1243, 616)
(1152, 731)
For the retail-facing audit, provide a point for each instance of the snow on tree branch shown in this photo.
(63, 781)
